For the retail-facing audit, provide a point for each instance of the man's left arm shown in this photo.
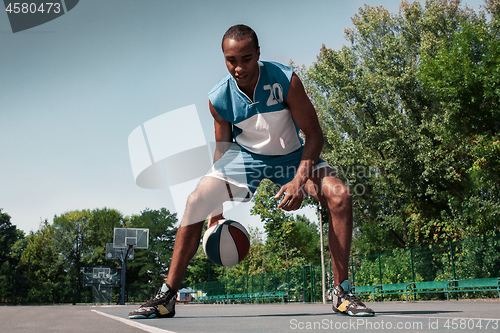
(304, 115)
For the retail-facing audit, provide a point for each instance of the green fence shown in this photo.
(294, 281)
(475, 258)
(468, 259)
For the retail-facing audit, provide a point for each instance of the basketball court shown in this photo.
(422, 316)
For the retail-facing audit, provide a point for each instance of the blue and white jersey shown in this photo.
(265, 126)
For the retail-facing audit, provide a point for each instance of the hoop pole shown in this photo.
(124, 270)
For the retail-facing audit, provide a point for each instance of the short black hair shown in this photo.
(239, 32)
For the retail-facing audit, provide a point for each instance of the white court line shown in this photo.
(135, 324)
(107, 306)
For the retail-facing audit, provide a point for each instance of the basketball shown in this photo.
(226, 243)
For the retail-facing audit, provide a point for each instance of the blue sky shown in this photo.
(73, 89)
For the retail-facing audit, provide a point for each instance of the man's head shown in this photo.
(239, 32)
(241, 53)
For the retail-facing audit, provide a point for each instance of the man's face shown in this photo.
(241, 61)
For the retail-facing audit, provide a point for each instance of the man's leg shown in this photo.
(325, 186)
(207, 198)
(205, 201)
(187, 240)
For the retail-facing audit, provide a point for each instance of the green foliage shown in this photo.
(477, 257)
(72, 233)
(366, 270)
(8, 236)
(9, 281)
(304, 237)
(81, 237)
(47, 279)
(201, 269)
(150, 266)
(472, 258)
(459, 74)
(290, 242)
(47, 265)
(410, 113)
(101, 226)
(444, 261)
(255, 258)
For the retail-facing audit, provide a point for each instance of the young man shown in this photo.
(258, 110)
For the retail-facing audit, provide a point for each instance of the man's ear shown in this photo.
(258, 53)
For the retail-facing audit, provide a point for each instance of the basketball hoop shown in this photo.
(125, 241)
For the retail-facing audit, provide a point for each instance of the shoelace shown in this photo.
(351, 298)
(159, 295)
(354, 300)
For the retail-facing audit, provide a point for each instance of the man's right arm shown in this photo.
(223, 140)
(223, 133)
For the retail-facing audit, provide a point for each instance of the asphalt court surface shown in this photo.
(422, 316)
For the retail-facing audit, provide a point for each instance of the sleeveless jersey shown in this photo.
(265, 126)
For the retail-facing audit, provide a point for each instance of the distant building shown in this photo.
(185, 295)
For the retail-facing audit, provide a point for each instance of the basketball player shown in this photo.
(258, 110)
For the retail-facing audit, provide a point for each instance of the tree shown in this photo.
(256, 255)
(72, 234)
(150, 266)
(101, 228)
(384, 122)
(460, 74)
(200, 270)
(290, 242)
(304, 238)
(48, 280)
(9, 235)
(278, 225)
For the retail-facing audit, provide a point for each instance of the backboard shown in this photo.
(131, 237)
(101, 273)
(112, 253)
(105, 276)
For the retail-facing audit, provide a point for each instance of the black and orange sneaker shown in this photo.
(160, 306)
(345, 302)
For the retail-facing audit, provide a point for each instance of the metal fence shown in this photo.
(468, 259)
(294, 281)
(473, 258)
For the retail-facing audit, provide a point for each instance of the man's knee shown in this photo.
(338, 196)
(194, 199)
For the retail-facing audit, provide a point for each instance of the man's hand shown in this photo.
(304, 116)
(213, 220)
(294, 194)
